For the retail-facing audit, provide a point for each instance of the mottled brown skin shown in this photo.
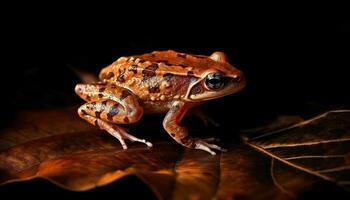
(158, 82)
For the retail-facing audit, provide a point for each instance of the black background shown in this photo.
(296, 61)
(293, 66)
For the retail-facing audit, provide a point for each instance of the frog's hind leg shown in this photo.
(104, 114)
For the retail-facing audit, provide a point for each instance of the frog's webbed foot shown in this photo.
(203, 144)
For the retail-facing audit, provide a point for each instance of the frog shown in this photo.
(168, 82)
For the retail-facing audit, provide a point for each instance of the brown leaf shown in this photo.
(31, 125)
(58, 146)
(319, 146)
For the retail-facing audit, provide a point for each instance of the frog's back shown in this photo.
(168, 61)
(159, 75)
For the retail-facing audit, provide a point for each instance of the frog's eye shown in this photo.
(214, 81)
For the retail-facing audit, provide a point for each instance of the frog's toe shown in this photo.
(121, 139)
(149, 144)
(204, 148)
(202, 144)
(135, 139)
(214, 146)
(122, 142)
(122, 135)
(143, 141)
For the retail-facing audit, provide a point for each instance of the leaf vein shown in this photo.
(306, 143)
(275, 182)
(336, 169)
(299, 124)
(314, 156)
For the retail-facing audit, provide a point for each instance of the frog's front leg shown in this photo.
(105, 112)
(172, 125)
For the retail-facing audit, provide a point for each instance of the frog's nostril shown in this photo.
(236, 78)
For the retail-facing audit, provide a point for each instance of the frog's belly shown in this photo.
(155, 106)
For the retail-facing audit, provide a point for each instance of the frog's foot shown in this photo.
(116, 131)
(203, 144)
(122, 135)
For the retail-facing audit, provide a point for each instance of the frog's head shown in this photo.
(219, 79)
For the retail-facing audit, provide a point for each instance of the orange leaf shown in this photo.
(56, 145)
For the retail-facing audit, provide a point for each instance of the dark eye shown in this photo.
(214, 81)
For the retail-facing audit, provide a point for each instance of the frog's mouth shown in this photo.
(198, 92)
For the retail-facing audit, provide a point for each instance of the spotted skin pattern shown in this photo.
(157, 82)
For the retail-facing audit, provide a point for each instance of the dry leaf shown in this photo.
(319, 146)
(58, 146)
